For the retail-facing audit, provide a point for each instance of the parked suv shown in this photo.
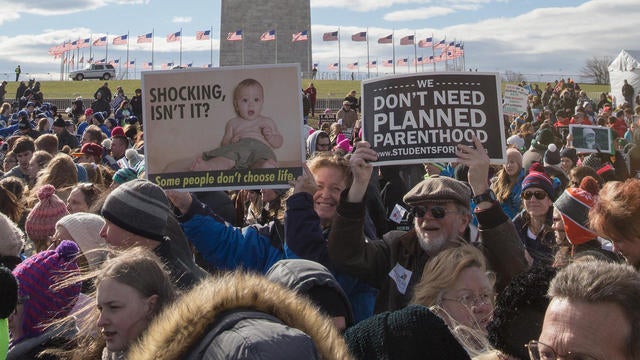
(94, 71)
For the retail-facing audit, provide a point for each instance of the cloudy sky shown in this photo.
(539, 39)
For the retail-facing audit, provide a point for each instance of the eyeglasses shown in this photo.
(438, 212)
(540, 351)
(540, 195)
(469, 300)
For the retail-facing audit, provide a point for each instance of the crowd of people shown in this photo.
(537, 258)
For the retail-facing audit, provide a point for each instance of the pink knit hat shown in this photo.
(41, 221)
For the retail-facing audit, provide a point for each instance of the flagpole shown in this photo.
(242, 43)
(127, 55)
(180, 47)
(211, 42)
(90, 46)
(393, 51)
(339, 58)
(433, 52)
(309, 49)
(106, 49)
(368, 60)
(153, 43)
(415, 51)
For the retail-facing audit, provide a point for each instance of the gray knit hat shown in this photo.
(140, 207)
(439, 189)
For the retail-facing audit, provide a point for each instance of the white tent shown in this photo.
(626, 66)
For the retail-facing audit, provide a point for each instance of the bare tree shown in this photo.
(512, 77)
(597, 69)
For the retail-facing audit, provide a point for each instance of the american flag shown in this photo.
(74, 44)
(121, 40)
(386, 40)
(333, 66)
(268, 35)
(131, 64)
(146, 38)
(101, 41)
(173, 37)
(167, 65)
(85, 43)
(372, 64)
(428, 42)
(56, 50)
(114, 62)
(235, 36)
(147, 65)
(403, 61)
(353, 66)
(459, 49)
(90, 60)
(330, 36)
(190, 65)
(407, 40)
(64, 60)
(207, 66)
(203, 35)
(81, 61)
(300, 36)
(387, 63)
(418, 61)
(442, 44)
(361, 36)
(101, 61)
(73, 57)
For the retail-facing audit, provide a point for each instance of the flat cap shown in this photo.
(439, 189)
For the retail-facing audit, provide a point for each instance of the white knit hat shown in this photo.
(85, 228)
(11, 237)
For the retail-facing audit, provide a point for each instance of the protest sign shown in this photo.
(591, 138)
(326, 118)
(420, 118)
(224, 128)
(515, 100)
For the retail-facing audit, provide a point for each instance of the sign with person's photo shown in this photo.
(422, 117)
(591, 138)
(224, 128)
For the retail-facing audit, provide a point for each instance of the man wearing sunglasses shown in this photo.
(442, 214)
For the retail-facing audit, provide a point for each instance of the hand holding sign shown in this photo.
(304, 183)
(181, 200)
(476, 158)
(361, 170)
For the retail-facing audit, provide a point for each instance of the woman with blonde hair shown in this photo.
(456, 286)
(131, 289)
(38, 161)
(61, 172)
(508, 183)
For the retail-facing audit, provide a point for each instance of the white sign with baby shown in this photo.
(224, 128)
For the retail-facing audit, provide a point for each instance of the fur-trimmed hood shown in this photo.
(181, 326)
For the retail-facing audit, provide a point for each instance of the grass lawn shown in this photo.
(326, 88)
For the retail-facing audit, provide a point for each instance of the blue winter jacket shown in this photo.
(305, 238)
(227, 247)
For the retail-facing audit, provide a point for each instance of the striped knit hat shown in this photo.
(574, 205)
(41, 221)
(538, 180)
(140, 207)
(36, 276)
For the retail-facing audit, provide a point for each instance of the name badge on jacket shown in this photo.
(401, 277)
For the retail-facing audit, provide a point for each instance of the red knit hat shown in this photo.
(574, 205)
(41, 221)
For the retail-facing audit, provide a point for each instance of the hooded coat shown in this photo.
(260, 320)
